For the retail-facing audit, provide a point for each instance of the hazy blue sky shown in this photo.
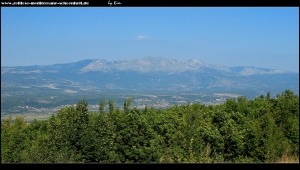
(236, 36)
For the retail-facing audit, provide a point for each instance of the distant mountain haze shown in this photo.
(149, 73)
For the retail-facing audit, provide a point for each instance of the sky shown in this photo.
(265, 37)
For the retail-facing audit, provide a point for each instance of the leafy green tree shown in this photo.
(81, 107)
(36, 143)
(102, 106)
(127, 104)
(111, 105)
(286, 115)
(99, 140)
(231, 105)
(12, 139)
(65, 134)
(273, 140)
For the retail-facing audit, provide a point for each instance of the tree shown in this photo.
(12, 139)
(81, 107)
(102, 106)
(127, 104)
(111, 106)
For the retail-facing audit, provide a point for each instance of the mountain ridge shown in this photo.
(149, 73)
(153, 64)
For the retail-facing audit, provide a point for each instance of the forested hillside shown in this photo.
(264, 129)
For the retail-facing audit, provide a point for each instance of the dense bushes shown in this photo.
(258, 130)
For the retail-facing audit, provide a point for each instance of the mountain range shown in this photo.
(149, 73)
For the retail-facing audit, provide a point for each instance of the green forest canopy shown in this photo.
(239, 130)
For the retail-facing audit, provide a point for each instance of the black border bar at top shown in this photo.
(120, 3)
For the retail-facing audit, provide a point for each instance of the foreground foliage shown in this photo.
(260, 130)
